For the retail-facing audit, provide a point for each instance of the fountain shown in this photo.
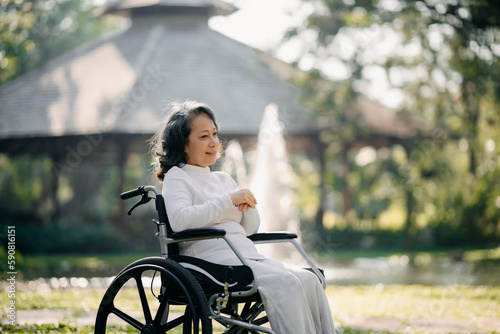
(270, 179)
(234, 163)
(272, 176)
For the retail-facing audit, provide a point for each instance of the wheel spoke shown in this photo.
(246, 309)
(256, 313)
(261, 321)
(172, 324)
(178, 287)
(161, 310)
(127, 318)
(144, 300)
(191, 312)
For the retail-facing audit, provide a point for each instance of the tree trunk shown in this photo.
(322, 189)
(344, 181)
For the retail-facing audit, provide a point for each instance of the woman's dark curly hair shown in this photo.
(168, 144)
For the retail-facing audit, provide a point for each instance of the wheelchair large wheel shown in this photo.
(179, 303)
(253, 312)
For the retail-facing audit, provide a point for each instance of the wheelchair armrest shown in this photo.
(276, 237)
(198, 233)
(272, 236)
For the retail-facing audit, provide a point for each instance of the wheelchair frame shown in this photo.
(196, 312)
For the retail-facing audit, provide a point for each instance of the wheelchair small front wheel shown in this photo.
(154, 295)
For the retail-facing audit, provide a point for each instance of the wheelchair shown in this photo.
(190, 292)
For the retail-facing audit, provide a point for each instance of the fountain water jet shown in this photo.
(234, 163)
(272, 179)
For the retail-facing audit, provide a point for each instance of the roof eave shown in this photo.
(131, 9)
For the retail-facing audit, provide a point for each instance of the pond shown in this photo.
(422, 268)
(402, 270)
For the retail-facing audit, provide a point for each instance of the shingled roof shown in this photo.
(121, 83)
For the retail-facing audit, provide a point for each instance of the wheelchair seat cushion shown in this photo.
(212, 276)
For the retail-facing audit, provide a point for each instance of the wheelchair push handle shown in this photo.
(139, 191)
(142, 191)
(132, 193)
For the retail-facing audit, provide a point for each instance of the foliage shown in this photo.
(57, 239)
(33, 32)
(26, 183)
(440, 60)
(351, 238)
(90, 224)
(438, 187)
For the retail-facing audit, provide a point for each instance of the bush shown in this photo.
(350, 238)
(58, 239)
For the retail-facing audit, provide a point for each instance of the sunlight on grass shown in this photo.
(76, 299)
(407, 302)
(473, 305)
(482, 254)
(62, 328)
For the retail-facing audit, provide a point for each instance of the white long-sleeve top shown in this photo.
(197, 197)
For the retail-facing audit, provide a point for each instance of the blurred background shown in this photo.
(372, 128)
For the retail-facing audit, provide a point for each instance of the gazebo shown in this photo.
(98, 104)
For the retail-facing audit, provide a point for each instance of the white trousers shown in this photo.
(293, 297)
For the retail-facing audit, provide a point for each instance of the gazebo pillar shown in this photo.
(122, 151)
(52, 188)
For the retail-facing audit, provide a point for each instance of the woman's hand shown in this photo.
(243, 199)
(243, 207)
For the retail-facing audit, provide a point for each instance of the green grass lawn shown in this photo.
(476, 307)
(358, 308)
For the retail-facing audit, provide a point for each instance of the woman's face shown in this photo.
(202, 148)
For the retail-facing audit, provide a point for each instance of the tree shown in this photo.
(440, 58)
(33, 31)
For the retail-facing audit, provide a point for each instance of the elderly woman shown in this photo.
(195, 196)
